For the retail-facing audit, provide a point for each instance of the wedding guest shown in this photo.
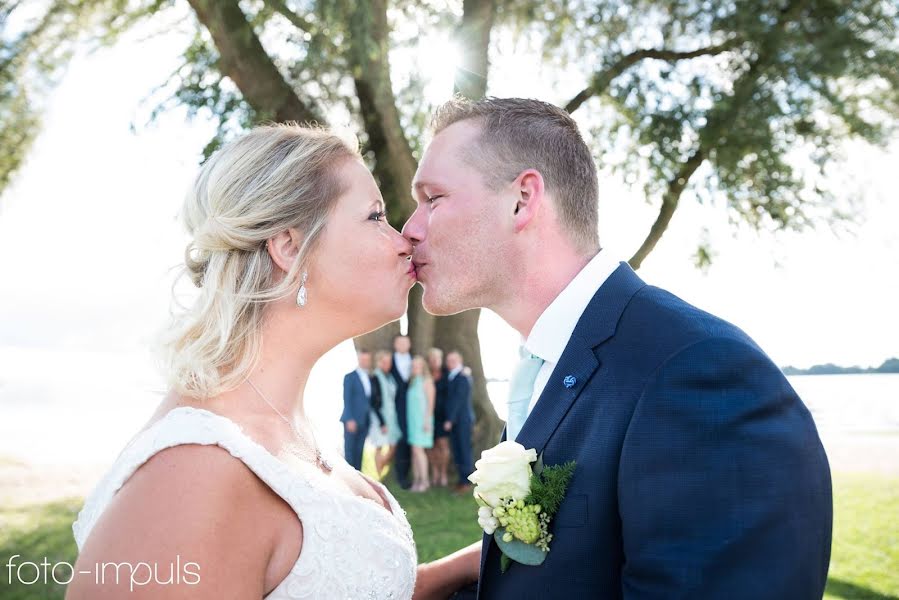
(420, 427)
(439, 455)
(356, 409)
(385, 437)
(459, 418)
(402, 366)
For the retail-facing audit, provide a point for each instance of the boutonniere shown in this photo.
(518, 498)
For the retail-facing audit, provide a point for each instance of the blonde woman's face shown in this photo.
(361, 268)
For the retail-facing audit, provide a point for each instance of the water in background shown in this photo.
(66, 407)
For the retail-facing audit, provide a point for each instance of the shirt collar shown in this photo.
(454, 372)
(554, 327)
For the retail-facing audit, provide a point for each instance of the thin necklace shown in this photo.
(319, 459)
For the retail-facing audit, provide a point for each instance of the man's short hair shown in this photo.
(519, 134)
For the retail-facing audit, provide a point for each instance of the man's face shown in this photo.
(365, 361)
(453, 361)
(460, 228)
(402, 344)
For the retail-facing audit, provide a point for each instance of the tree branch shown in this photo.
(669, 205)
(604, 78)
(743, 88)
(245, 61)
(299, 21)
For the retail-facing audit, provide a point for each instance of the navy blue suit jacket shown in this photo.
(402, 387)
(356, 404)
(458, 400)
(699, 472)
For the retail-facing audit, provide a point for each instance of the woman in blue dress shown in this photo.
(384, 436)
(420, 420)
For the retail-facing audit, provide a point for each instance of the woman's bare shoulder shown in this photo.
(194, 503)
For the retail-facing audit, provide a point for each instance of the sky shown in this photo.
(88, 230)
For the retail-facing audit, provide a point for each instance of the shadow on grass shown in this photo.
(851, 591)
(36, 533)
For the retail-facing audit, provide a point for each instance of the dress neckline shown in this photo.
(391, 508)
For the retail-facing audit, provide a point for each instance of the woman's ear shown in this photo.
(284, 248)
(529, 187)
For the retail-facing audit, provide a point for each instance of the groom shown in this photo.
(699, 472)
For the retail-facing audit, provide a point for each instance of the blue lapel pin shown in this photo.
(569, 381)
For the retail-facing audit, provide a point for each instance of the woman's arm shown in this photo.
(441, 578)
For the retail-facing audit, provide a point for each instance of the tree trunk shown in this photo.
(473, 40)
(245, 61)
(369, 60)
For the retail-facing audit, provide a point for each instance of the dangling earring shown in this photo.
(301, 293)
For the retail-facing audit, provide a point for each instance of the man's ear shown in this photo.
(530, 196)
(284, 248)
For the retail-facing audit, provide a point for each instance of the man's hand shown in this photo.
(448, 426)
(351, 426)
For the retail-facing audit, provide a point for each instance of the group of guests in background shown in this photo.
(416, 412)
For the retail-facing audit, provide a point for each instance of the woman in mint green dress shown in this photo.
(420, 420)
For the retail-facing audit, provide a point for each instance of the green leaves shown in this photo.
(526, 554)
(549, 486)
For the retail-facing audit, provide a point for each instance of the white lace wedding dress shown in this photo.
(352, 546)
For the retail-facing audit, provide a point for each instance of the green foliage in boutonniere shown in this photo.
(549, 484)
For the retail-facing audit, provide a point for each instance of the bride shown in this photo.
(225, 492)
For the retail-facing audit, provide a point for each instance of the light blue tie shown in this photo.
(521, 388)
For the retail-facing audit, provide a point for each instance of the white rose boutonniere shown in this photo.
(518, 497)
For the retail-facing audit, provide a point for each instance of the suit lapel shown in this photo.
(576, 366)
(578, 362)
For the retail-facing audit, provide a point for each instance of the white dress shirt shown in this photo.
(454, 372)
(366, 381)
(553, 329)
(403, 364)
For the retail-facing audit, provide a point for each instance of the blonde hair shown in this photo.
(271, 179)
(425, 367)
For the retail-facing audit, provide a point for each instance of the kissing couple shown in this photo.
(697, 470)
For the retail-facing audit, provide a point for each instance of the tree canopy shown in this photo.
(742, 102)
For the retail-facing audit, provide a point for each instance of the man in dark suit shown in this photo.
(459, 418)
(401, 369)
(699, 471)
(356, 417)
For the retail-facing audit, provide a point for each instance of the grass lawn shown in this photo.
(865, 562)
